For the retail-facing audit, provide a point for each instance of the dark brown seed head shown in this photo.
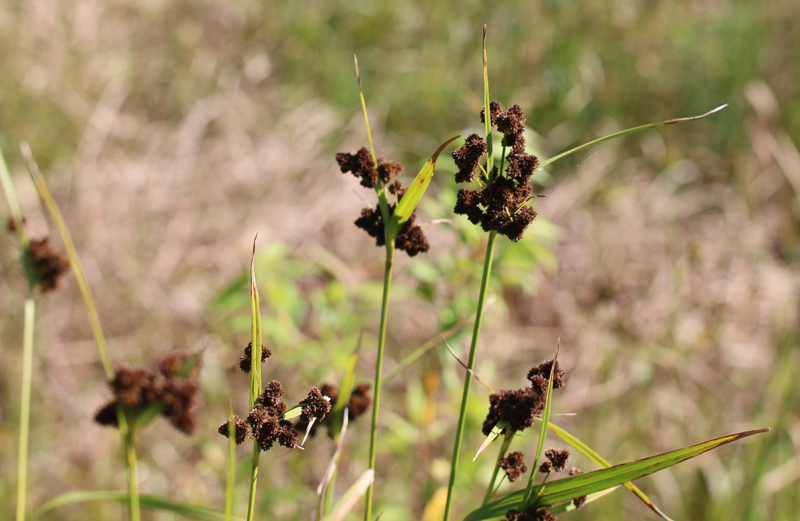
(268, 428)
(316, 405)
(371, 222)
(388, 170)
(360, 165)
(107, 415)
(495, 108)
(245, 362)
(579, 502)
(181, 397)
(514, 465)
(172, 364)
(521, 167)
(239, 425)
(44, 264)
(512, 121)
(412, 240)
(132, 386)
(518, 408)
(359, 401)
(540, 375)
(271, 398)
(397, 189)
(558, 458)
(467, 158)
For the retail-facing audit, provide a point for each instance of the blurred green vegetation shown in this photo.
(579, 71)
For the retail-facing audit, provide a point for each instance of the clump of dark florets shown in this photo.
(411, 239)
(387, 170)
(316, 405)
(240, 426)
(495, 108)
(514, 465)
(358, 404)
(267, 428)
(519, 407)
(539, 376)
(530, 515)
(467, 158)
(136, 389)
(360, 165)
(556, 461)
(246, 361)
(500, 205)
(44, 266)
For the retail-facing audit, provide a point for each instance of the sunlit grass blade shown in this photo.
(255, 375)
(496, 431)
(324, 490)
(628, 131)
(569, 488)
(294, 412)
(25, 407)
(596, 458)
(151, 502)
(416, 189)
(567, 507)
(356, 490)
(542, 432)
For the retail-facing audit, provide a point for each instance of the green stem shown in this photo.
(331, 485)
(133, 480)
(373, 435)
(251, 504)
(490, 490)
(231, 467)
(25, 407)
(476, 331)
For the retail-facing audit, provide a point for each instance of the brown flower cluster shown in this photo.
(44, 266)
(520, 406)
(530, 515)
(246, 361)
(358, 404)
(514, 465)
(177, 394)
(500, 205)
(410, 239)
(556, 461)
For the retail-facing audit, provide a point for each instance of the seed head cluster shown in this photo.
(43, 264)
(359, 402)
(500, 205)
(246, 361)
(556, 461)
(410, 238)
(530, 515)
(514, 465)
(520, 406)
(136, 388)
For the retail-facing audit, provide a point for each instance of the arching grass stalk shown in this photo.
(94, 320)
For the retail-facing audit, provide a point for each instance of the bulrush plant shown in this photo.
(393, 226)
(499, 205)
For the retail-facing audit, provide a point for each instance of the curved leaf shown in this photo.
(566, 489)
(153, 502)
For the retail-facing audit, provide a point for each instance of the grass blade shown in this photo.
(415, 191)
(496, 431)
(596, 458)
(566, 489)
(255, 374)
(151, 502)
(231, 481)
(330, 472)
(343, 506)
(629, 131)
(567, 507)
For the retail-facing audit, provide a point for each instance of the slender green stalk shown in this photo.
(331, 485)
(25, 407)
(503, 448)
(476, 331)
(255, 375)
(373, 435)
(231, 465)
(251, 504)
(133, 480)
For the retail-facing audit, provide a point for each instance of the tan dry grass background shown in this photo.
(675, 297)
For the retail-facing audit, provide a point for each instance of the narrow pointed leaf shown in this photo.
(496, 430)
(629, 131)
(358, 489)
(567, 507)
(255, 332)
(348, 379)
(571, 487)
(148, 501)
(596, 458)
(294, 412)
(414, 193)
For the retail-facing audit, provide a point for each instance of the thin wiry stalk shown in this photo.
(476, 331)
(229, 486)
(255, 375)
(25, 407)
(373, 434)
(133, 480)
(503, 448)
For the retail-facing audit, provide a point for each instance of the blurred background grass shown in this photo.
(667, 262)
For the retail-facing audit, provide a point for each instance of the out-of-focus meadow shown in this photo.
(667, 262)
